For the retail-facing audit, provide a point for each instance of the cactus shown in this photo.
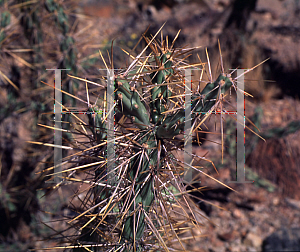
(129, 206)
(138, 199)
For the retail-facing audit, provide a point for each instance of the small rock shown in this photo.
(238, 214)
(225, 214)
(275, 201)
(252, 240)
(229, 236)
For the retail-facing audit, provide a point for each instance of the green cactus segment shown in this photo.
(5, 19)
(131, 105)
(61, 17)
(136, 219)
(160, 94)
(204, 102)
(51, 5)
(96, 123)
(146, 162)
(141, 177)
(2, 36)
(98, 128)
(172, 125)
(141, 167)
(139, 170)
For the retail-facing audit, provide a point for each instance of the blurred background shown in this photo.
(49, 34)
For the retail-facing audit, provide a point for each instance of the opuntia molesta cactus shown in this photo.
(131, 212)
